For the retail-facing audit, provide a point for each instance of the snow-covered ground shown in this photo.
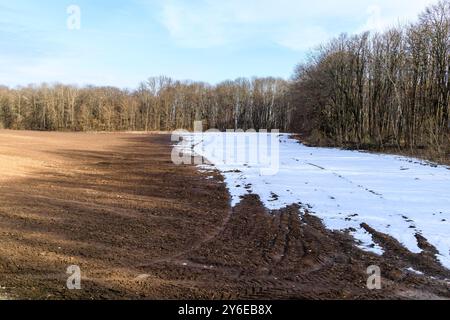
(394, 195)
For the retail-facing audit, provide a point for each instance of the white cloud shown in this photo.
(375, 21)
(208, 23)
(67, 70)
(385, 14)
(294, 24)
(205, 26)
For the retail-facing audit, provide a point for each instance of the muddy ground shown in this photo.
(140, 227)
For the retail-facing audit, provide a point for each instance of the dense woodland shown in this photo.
(379, 90)
(384, 90)
(159, 104)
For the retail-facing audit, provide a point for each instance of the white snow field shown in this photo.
(394, 195)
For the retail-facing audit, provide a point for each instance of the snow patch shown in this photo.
(394, 195)
(415, 271)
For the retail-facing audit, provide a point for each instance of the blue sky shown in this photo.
(123, 42)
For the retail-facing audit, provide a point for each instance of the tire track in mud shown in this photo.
(177, 258)
(285, 254)
(180, 257)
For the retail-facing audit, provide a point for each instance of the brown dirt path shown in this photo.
(142, 228)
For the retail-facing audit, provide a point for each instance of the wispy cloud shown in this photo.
(295, 24)
(39, 48)
(22, 43)
(207, 23)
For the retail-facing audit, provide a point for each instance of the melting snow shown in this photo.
(394, 195)
(415, 271)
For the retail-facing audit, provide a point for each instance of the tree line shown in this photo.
(158, 104)
(387, 89)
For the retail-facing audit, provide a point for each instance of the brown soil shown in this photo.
(140, 227)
